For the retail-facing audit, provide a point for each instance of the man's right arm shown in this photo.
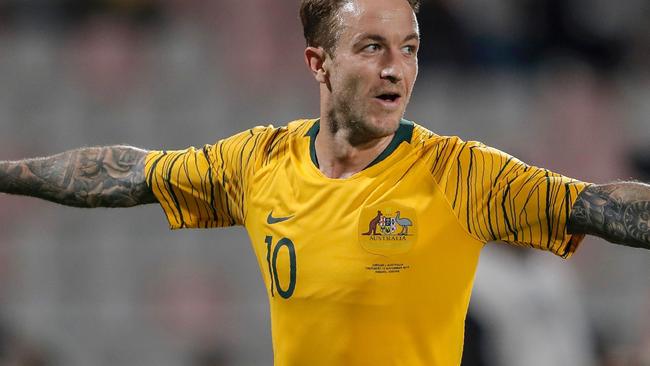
(110, 176)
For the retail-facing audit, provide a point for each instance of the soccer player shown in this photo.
(367, 227)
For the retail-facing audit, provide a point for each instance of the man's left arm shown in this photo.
(617, 212)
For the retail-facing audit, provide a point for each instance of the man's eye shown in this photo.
(409, 50)
(372, 48)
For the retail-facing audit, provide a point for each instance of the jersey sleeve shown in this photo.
(206, 187)
(496, 197)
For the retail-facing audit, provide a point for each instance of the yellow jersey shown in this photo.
(377, 268)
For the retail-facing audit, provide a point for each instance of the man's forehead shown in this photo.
(383, 14)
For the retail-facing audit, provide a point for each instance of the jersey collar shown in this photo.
(404, 133)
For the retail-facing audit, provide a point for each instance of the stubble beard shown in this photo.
(348, 113)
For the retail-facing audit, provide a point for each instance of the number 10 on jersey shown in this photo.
(272, 259)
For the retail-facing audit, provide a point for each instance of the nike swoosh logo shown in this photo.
(276, 220)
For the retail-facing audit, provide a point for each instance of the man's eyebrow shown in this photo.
(372, 37)
(412, 36)
(382, 39)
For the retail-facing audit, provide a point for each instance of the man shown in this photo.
(309, 191)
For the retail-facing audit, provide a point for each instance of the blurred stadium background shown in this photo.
(563, 84)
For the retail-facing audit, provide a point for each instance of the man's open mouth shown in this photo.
(388, 97)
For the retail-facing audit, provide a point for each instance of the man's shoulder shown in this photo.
(303, 125)
(295, 128)
(268, 144)
(426, 140)
(449, 149)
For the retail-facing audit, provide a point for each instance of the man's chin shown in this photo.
(385, 126)
(369, 130)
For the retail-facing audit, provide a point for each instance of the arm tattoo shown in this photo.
(90, 177)
(618, 212)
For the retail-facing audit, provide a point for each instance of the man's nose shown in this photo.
(392, 69)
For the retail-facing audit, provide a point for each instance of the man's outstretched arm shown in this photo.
(618, 212)
(90, 177)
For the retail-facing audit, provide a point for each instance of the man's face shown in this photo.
(373, 67)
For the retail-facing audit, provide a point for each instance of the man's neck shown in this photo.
(338, 158)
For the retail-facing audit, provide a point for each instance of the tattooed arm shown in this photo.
(618, 212)
(90, 177)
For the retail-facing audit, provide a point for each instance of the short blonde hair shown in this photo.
(319, 21)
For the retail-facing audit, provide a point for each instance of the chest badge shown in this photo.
(387, 229)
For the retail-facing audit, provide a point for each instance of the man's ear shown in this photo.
(317, 62)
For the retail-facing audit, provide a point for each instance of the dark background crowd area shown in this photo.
(468, 35)
(563, 84)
